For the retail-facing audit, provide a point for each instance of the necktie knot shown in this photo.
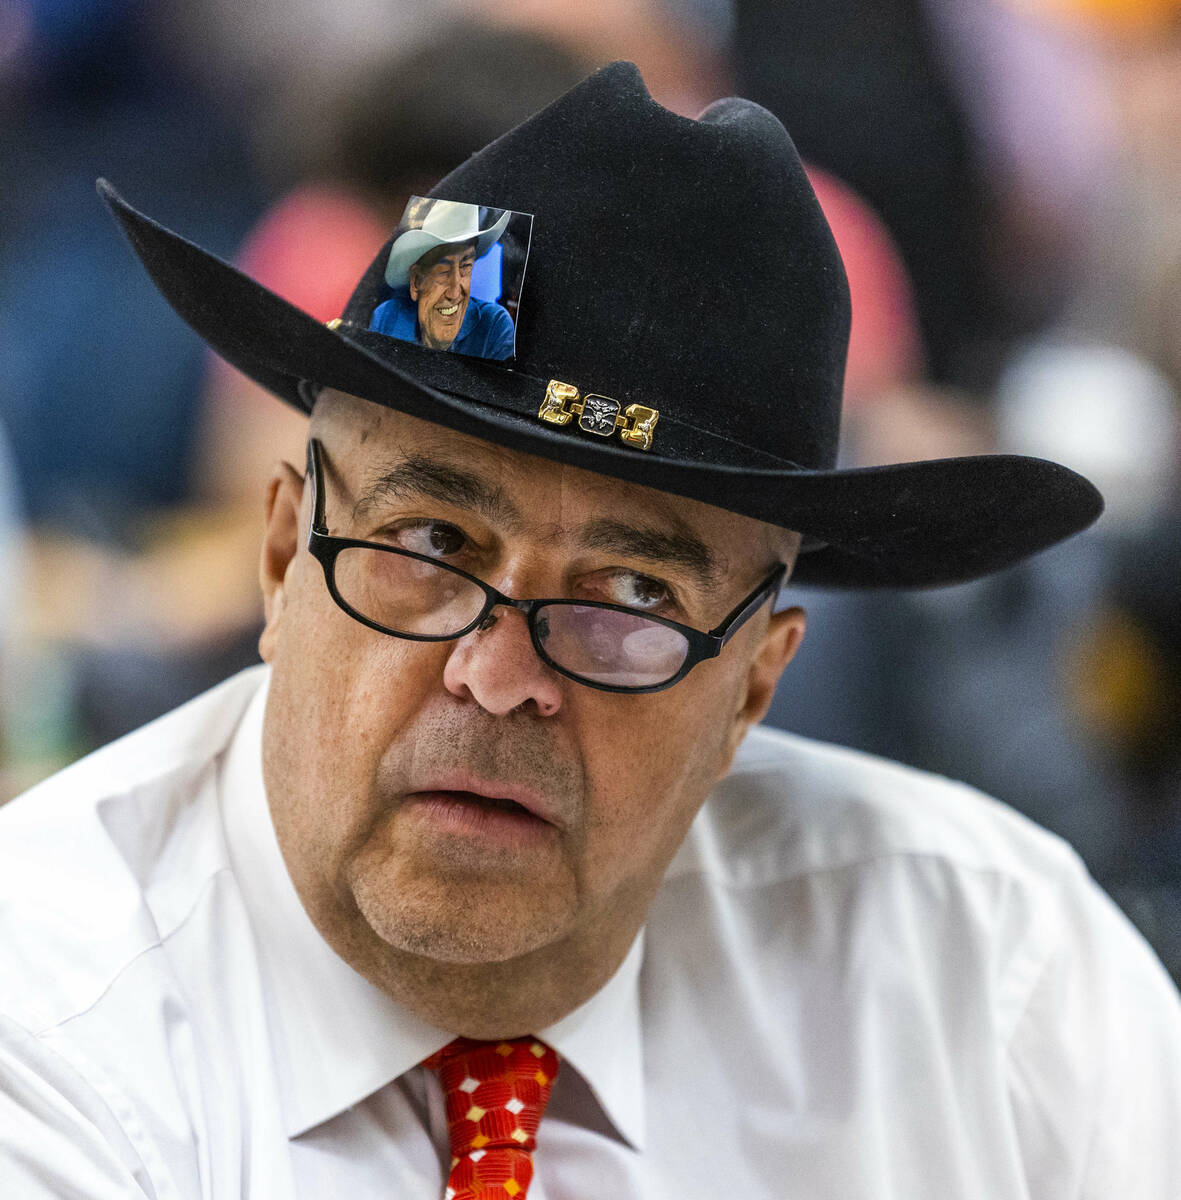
(495, 1094)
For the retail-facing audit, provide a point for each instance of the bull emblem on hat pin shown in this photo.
(598, 414)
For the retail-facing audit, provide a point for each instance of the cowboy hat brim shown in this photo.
(414, 243)
(914, 524)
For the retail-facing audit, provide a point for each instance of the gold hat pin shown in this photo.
(599, 415)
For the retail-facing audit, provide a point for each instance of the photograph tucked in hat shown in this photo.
(455, 271)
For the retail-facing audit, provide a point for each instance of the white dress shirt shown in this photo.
(856, 982)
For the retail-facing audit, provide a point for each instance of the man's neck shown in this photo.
(490, 1000)
(433, 345)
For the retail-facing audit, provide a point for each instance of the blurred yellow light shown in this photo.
(1133, 16)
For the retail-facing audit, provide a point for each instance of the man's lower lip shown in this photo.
(463, 814)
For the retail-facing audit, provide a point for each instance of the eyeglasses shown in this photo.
(605, 646)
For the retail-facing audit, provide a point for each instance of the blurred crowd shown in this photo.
(1004, 181)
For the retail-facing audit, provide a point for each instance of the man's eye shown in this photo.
(633, 590)
(435, 539)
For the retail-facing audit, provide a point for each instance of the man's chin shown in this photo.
(461, 926)
(448, 330)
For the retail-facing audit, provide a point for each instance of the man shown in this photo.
(432, 302)
(487, 885)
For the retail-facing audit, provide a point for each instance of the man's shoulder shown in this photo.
(491, 333)
(187, 736)
(489, 310)
(808, 852)
(791, 806)
(81, 854)
(391, 316)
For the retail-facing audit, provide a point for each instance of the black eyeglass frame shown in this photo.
(325, 548)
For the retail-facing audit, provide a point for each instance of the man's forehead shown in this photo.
(521, 491)
(381, 449)
(442, 254)
(397, 439)
(371, 437)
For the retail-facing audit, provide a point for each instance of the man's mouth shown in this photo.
(500, 803)
(449, 311)
(458, 802)
(485, 820)
(489, 797)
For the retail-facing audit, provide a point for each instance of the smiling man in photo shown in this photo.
(430, 269)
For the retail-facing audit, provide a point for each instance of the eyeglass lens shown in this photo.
(607, 646)
(406, 594)
(603, 645)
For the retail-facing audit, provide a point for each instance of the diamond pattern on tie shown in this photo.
(495, 1093)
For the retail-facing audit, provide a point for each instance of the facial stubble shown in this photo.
(449, 900)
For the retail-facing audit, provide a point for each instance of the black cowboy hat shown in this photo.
(678, 267)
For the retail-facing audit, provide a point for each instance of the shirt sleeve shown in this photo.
(58, 1137)
(1095, 1059)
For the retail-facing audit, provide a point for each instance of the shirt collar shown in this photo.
(336, 1038)
(602, 1040)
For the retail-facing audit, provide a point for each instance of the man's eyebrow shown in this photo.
(420, 476)
(660, 546)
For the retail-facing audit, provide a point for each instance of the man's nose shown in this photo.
(498, 667)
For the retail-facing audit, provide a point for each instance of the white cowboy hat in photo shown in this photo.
(449, 222)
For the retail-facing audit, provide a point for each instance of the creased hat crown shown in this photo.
(681, 264)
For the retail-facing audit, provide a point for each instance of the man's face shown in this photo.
(441, 283)
(460, 800)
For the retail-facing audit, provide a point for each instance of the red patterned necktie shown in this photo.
(495, 1093)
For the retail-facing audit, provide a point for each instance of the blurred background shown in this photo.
(1004, 181)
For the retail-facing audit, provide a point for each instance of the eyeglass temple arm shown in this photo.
(743, 613)
(315, 472)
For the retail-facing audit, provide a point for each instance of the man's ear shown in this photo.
(413, 283)
(780, 641)
(280, 544)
